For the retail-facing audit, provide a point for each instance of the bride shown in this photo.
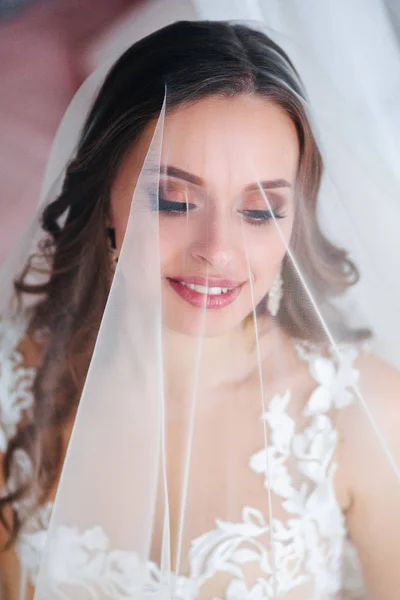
(235, 437)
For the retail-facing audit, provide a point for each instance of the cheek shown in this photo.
(266, 250)
(173, 241)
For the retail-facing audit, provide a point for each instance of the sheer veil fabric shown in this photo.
(205, 453)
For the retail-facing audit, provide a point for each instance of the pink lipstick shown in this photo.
(206, 292)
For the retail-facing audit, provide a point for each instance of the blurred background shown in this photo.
(45, 54)
(49, 47)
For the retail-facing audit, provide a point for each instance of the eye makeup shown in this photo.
(260, 217)
(178, 196)
(258, 208)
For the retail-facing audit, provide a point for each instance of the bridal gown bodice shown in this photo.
(313, 557)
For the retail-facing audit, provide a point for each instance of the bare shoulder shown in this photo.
(376, 396)
(369, 455)
(369, 429)
(378, 375)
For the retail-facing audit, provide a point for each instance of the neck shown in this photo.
(211, 361)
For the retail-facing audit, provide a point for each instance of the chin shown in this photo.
(206, 326)
(187, 319)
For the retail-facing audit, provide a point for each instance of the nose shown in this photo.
(214, 244)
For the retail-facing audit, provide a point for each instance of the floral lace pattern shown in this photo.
(310, 547)
(15, 386)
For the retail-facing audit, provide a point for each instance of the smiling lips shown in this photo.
(204, 292)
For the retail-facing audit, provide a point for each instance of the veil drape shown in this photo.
(159, 453)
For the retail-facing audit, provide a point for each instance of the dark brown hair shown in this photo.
(192, 60)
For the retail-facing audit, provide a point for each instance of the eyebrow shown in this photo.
(269, 184)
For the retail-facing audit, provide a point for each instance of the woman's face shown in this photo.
(226, 208)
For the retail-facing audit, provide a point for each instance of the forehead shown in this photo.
(231, 141)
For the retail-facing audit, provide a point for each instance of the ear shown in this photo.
(111, 236)
(109, 219)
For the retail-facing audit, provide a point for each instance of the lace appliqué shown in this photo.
(335, 374)
(314, 518)
(15, 387)
(310, 545)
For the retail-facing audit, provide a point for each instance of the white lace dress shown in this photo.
(311, 546)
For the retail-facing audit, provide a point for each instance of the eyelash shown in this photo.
(255, 217)
(174, 208)
(260, 217)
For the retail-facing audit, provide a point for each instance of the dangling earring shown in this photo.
(275, 295)
(113, 248)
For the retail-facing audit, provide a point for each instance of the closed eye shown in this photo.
(169, 206)
(260, 216)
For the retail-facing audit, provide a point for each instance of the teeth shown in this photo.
(209, 291)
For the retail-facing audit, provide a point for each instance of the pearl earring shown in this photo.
(275, 295)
